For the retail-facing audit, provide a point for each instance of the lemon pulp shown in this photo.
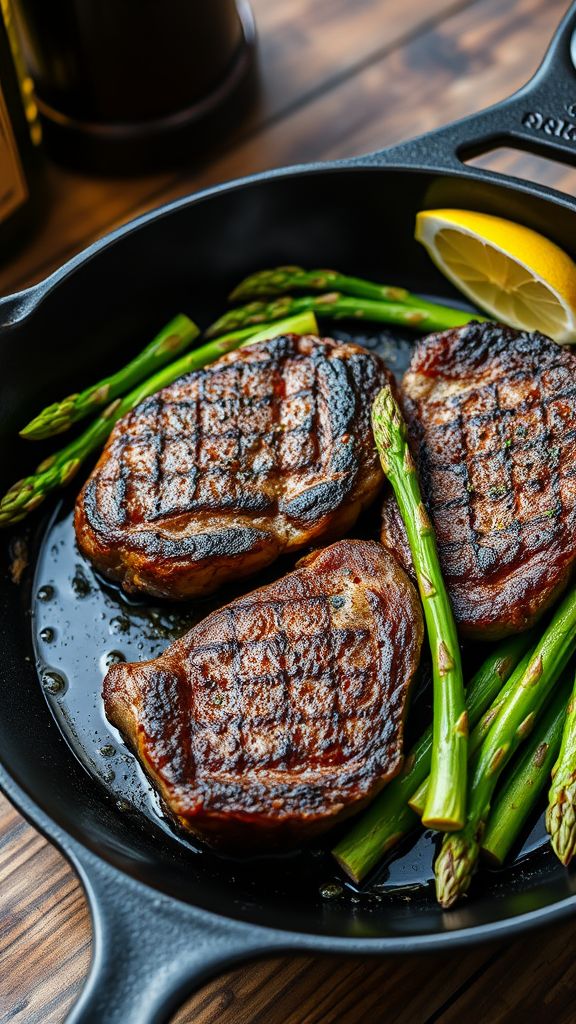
(512, 272)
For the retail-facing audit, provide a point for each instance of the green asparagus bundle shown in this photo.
(446, 803)
(60, 416)
(283, 280)
(266, 284)
(561, 813)
(426, 316)
(458, 854)
(528, 778)
(57, 470)
(417, 800)
(389, 817)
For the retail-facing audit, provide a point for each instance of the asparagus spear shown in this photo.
(458, 855)
(389, 817)
(417, 801)
(280, 280)
(527, 781)
(58, 469)
(424, 317)
(561, 813)
(60, 416)
(446, 803)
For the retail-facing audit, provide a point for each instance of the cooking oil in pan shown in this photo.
(81, 626)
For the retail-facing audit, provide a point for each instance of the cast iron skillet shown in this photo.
(165, 915)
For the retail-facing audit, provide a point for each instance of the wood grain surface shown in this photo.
(338, 77)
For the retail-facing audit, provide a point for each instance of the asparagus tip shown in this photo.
(561, 822)
(387, 423)
(18, 501)
(29, 432)
(41, 427)
(454, 867)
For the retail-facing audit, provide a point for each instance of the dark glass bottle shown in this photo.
(130, 85)
(20, 135)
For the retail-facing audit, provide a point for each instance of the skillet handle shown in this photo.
(151, 951)
(16, 307)
(539, 118)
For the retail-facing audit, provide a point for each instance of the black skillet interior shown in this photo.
(60, 623)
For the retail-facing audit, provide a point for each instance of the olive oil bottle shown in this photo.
(20, 136)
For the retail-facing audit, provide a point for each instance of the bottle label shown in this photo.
(13, 187)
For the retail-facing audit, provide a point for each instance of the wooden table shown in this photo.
(338, 78)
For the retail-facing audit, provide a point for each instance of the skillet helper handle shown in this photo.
(150, 951)
(540, 118)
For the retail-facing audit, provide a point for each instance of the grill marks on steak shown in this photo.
(219, 473)
(492, 419)
(283, 711)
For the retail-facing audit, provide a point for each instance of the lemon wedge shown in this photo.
(512, 272)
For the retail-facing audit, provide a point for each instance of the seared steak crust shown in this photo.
(215, 476)
(283, 711)
(492, 419)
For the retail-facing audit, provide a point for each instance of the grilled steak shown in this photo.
(492, 419)
(282, 712)
(215, 476)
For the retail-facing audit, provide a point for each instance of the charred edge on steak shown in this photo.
(211, 446)
(282, 712)
(492, 419)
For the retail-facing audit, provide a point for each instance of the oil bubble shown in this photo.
(112, 658)
(53, 682)
(80, 584)
(119, 624)
(47, 634)
(46, 593)
(107, 750)
(331, 891)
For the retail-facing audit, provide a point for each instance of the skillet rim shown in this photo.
(23, 305)
(403, 158)
(80, 855)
